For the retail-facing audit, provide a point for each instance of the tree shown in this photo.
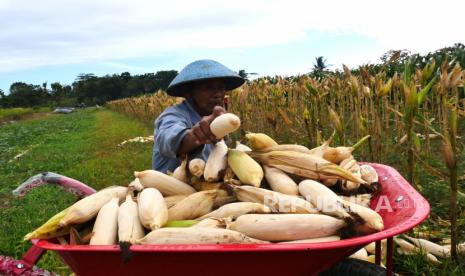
(320, 68)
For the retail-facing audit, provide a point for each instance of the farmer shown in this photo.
(184, 129)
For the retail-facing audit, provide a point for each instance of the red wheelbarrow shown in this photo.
(401, 207)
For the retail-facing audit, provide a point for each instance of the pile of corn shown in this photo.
(261, 193)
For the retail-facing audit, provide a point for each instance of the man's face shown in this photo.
(208, 94)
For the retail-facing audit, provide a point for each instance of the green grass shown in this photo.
(18, 113)
(81, 145)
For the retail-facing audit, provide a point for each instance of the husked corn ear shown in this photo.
(242, 147)
(280, 182)
(196, 235)
(325, 200)
(153, 212)
(259, 141)
(88, 207)
(129, 227)
(276, 201)
(407, 248)
(287, 147)
(361, 254)
(431, 247)
(50, 228)
(170, 201)
(315, 240)
(166, 184)
(224, 124)
(286, 227)
(193, 206)
(216, 162)
(233, 210)
(106, 224)
(196, 167)
(305, 165)
(372, 221)
(245, 168)
(180, 172)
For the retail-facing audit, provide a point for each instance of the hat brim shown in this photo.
(180, 89)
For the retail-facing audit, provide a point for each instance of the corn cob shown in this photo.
(170, 201)
(224, 124)
(196, 235)
(245, 168)
(371, 221)
(408, 249)
(153, 212)
(180, 172)
(259, 141)
(196, 167)
(315, 240)
(305, 165)
(325, 200)
(280, 182)
(276, 201)
(129, 227)
(106, 224)
(193, 206)
(233, 210)
(286, 227)
(50, 228)
(216, 162)
(431, 247)
(361, 254)
(166, 184)
(88, 207)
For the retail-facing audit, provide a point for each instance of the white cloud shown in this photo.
(36, 33)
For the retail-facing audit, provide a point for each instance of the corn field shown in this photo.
(413, 115)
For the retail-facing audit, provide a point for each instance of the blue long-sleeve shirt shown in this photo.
(170, 129)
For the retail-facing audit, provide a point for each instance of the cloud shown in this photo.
(37, 33)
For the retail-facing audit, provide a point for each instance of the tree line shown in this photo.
(86, 90)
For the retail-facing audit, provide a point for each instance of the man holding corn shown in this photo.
(185, 128)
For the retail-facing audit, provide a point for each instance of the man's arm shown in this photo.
(200, 133)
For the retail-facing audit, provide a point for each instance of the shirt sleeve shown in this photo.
(170, 130)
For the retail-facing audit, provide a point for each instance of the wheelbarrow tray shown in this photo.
(399, 204)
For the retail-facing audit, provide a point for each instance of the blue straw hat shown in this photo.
(203, 70)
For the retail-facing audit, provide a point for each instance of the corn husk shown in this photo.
(234, 210)
(245, 168)
(286, 227)
(193, 206)
(280, 182)
(196, 235)
(166, 184)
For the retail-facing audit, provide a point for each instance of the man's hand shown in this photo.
(200, 133)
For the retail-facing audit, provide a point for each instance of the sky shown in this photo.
(55, 41)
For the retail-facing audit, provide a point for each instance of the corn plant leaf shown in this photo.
(422, 94)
